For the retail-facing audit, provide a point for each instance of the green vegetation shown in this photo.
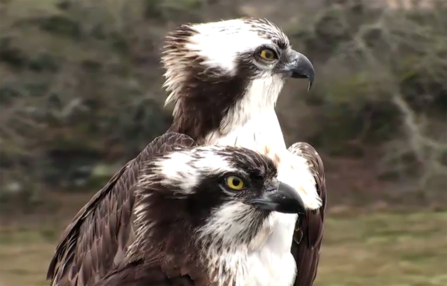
(25, 255)
(80, 86)
(385, 249)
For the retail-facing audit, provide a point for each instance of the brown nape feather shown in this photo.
(102, 229)
(309, 230)
(202, 95)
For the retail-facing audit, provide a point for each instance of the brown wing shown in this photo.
(97, 237)
(309, 231)
(139, 273)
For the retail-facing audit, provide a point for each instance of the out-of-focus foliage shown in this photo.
(80, 85)
(79, 88)
(383, 80)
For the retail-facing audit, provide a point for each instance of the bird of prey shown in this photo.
(224, 79)
(207, 215)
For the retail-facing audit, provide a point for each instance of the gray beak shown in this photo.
(299, 66)
(283, 199)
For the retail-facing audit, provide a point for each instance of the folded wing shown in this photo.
(309, 230)
(138, 273)
(96, 239)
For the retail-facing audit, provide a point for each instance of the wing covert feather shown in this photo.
(138, 273)
(102, 229)
(309, 231)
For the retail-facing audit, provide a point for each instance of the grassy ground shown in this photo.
(359, 249)
(385, 249)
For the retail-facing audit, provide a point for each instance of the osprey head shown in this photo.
(217, 191)
(235, 64)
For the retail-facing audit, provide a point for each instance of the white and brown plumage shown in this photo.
(204, 216)
(224, 79)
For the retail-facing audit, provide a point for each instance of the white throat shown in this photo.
(265, 261)
(252, 123)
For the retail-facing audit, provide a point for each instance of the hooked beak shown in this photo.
(283, 199)
(299, 66)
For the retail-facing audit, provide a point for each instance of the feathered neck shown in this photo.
(240, 117)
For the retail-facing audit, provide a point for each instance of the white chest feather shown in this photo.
(266, 261)
(272, 264)
(252, 122)
(258, 132)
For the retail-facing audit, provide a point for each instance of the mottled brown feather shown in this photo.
(139, 273)
(309, 230)
(102, 230)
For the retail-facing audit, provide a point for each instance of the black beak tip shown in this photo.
(311, 82)
(304, 69)
(309, 77)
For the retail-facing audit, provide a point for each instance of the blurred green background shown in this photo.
(80, 95)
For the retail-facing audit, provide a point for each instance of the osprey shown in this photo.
(205, 216)
(224, 79)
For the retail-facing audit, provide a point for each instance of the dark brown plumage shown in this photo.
(101, 230)
(97, 238)
(194, 117)
(138, 273)
(115, 211)
(168, 248)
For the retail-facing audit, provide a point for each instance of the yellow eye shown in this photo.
(268, 54)
(235, 183)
